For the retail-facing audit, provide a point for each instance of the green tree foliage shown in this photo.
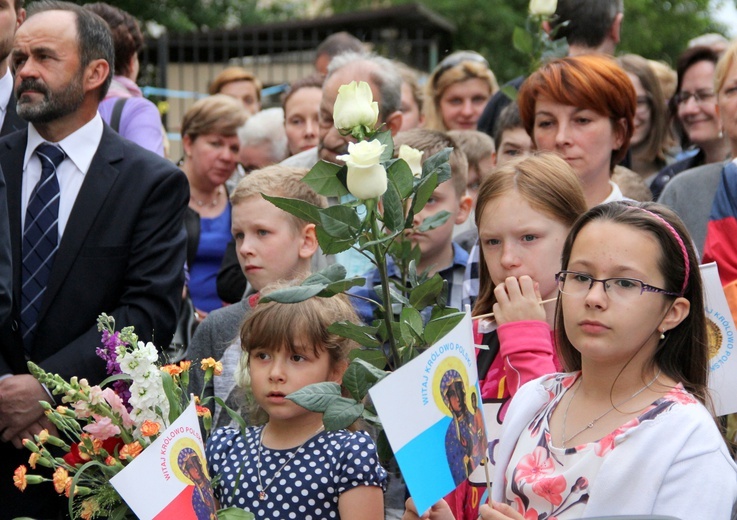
(656, 29)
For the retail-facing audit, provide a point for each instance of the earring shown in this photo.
(662, 334)
(721, 134)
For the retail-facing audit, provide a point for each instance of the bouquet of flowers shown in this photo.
(381, 194)
(102, 428)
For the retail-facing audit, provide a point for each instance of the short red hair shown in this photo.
(592, 82)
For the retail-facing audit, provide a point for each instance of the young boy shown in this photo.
(511, 141)
(271, 245)
(438, 252)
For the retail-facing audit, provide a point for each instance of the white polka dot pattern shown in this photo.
(308, 487)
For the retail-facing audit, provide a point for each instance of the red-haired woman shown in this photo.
(582, 108)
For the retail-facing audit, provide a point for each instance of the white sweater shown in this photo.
(675, 465)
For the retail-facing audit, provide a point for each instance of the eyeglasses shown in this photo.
(455, 59)
(700, 96)
(573, 283)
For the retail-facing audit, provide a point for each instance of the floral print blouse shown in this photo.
(544, 482)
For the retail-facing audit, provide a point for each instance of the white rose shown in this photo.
(366, 176)
(413, 158)
(355, 106)
(543, 7)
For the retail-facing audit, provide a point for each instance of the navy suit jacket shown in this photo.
(13, 121)
(121, 253)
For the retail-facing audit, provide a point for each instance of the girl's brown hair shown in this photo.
(549, 186)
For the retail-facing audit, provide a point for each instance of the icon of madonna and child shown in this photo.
(465, 439)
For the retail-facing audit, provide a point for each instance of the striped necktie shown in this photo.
(40, 239)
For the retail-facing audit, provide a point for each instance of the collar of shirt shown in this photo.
(615, 195)
(80, 146)
(6, 90)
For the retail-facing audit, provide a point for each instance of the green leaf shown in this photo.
(323, 178)
(340, 222)
(522, 40)
(425, 189)
(383, 448)
(434, 221)
(375, 372)
(316, 397)
(331, 245)
(426, 293)
(385, 137)
(401, 176)
(368, 245)
(437, 328)
(373, 356)
(436, 162)
(296, 294)
(341, 413)
(342, 286)
(410, 322)
(234, 513)
(357, 380)
(361, 334)
(173, 395)
(393, 208)
(298, 208)
(115, 377)
(233, 414)
(327, 275)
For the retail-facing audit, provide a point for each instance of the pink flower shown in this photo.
(530, 514)
(534, 466)
(103, 428)
(550, 489)
(608, 443)
(95, 395)
(117, 405)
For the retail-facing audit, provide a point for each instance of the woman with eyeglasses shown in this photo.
(582, 108)
(694, 112)
(457, 91)
(626, 430)
(652, 140)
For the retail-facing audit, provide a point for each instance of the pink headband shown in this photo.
(678, 238)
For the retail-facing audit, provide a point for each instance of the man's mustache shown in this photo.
(30, 84)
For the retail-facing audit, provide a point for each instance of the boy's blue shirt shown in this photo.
(453, 274)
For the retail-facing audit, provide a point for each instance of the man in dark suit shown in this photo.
(115, 242)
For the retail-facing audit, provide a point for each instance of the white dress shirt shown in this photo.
(80, 148)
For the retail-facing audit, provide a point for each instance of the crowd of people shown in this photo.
(578, 214)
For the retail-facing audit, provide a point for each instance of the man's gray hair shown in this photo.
(384, 75)
(266, 126)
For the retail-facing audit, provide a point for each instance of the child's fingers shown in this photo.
(527, 287)
(499, 511)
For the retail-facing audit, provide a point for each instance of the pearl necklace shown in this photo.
(212, 203)
(592, 423)
(261, 487)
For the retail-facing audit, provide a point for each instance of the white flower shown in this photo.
(148, 398)
(355, 106)
(366, 176)
(413, 158)
(543, 7)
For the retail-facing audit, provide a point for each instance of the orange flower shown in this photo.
(33, 459)
(110, 460)
(61, 477)
(68, 487)
(19, 478)
(131, 450)
(184, 365)
(43, 436)
(203, 411)
(88, 509)
(172, 370)
(149, 428)
(211, 363)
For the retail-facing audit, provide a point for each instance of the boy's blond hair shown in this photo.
(278, 181)
(476, 145)
(431, 142)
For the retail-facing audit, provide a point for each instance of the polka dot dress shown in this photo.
(307, 488)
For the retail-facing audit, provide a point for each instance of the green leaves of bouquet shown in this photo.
(379, 197)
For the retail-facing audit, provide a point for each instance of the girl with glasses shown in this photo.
(627, 429)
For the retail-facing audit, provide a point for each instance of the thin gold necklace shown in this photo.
(262, 488)
(592, 423)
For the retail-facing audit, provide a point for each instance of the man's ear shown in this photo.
(614, 30)
(308, 241)
(95, 74)
(394, 122)
(20, 17)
